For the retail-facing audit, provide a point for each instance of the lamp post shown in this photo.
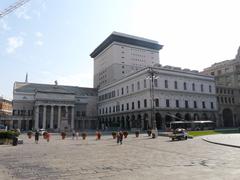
(152, 77)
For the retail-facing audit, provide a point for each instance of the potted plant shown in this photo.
(137, 133)
(29, 134)
(125, 134)
(84, 135)
(63, 134)
(98, 135)
(149, 132)
(114, 134)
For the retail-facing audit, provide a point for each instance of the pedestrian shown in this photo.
(36, 136)
(73, 134)
(48, 137)
(120, 137)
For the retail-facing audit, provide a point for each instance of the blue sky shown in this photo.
(52, 39)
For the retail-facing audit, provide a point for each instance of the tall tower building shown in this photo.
(120, 55)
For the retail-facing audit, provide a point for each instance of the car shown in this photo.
(41, 131)
(179, 134)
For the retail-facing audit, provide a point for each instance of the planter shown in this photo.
(137, 133)
(125, 134)
(114, 135)
(84, 135)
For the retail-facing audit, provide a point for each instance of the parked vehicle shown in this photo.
(179, 134)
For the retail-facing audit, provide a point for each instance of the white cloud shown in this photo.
(39, 42)
(39, 34)
(4, 26)
(14, 43)
(21, 13)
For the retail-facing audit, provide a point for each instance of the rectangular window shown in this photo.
(155, 83)
(127, 89)
(118, 92)
(185, 86)
(210, 88)
(167, 103)
(127, 106)
(83, 113)
(122, 107)
(138, 85)
(78, 113)
(166, 84)
(132, 87)
(145, 83)
(203, 105)
(193, 87)
(138, 104)
(106, 110)
(145, 103)
(177, 103)
(157, 102)
(122, 91)
(186, 104)
(212, 107)
(113, 108)
(110, 109)
(175, 85)
(202, 88)
(133, 105)
(195, 104)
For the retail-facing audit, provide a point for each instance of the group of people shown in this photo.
(119, 137)
(75, 134)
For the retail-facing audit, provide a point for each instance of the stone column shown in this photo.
(59, 117)
(51, 120)
(36, 121)
(72, 118)
(44, 117)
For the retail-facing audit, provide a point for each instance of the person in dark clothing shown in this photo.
(120, 137)
(36, 137)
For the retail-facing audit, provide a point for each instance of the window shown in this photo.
(132, 87)
(110, 109)
(157, 102)
(106, 110)
(225, 100)
(167, 103)
(155, 83)
(127, 89)
(78, 113)
(132, 105)
(83, 113)
(122, 91)
(175, 85)
(102, 110)
(138, 85)
(166, 84)
(118, 92)
(212, 107)
(122, 107)
(195, 104)
(127, 106)
(233, 100)
(145, 83)
(201, 87)
(193, 86)
(138, 104)
(210, 88)
(229, 100)
(113, 108)
(185, 86)
(203, 105)
(177, 103)
(186, 104)
(145, 103)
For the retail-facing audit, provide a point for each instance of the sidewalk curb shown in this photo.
(229, 145)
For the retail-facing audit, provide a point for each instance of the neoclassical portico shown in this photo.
(54, 116)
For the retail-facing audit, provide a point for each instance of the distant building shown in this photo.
(53, 107)
(5, 112)
(123, 65)
(227, 76)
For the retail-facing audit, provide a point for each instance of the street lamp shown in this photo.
(152, 77)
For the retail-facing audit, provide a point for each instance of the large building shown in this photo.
(54, 107)
(122, 68)
(227, 76)
(120, 55)
(5, 112)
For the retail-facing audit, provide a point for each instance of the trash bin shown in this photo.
(15, 141)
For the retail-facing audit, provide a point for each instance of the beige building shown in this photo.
(227, 76)
(5, 112)
(53, 107)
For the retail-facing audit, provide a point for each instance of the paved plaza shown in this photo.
(138, 158)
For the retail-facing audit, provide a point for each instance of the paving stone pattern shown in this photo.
(138, 158)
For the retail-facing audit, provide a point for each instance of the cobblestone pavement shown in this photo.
(138, 158)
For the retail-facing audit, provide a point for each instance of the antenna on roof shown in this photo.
(26, 79)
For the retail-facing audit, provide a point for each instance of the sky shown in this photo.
(52, 39)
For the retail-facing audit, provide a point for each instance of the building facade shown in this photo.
(178, 95)
(5, 112)
(120, 55)
(53, 107)
(227, 76)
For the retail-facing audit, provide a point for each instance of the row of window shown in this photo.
(22, 112)
(126, 106)
(132, 88)
(225, 100)
(224, 91)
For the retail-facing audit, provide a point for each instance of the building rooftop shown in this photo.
(128, 39)
(50, 88)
